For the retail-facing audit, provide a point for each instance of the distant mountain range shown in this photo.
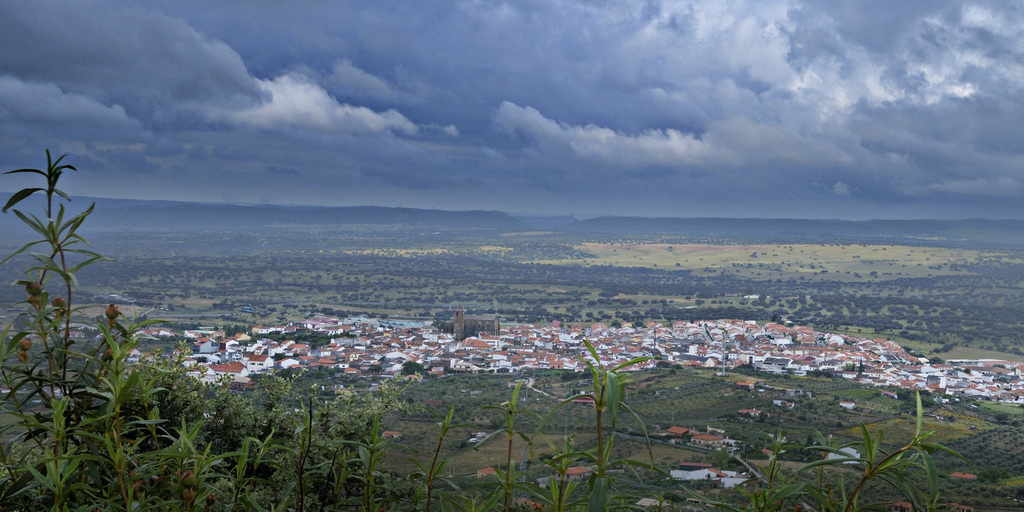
(192, 216)
(134, 215)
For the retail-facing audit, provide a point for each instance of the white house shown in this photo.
(257, 363)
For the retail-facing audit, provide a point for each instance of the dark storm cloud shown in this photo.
(737, 107)
(119, 54)
(46, 108)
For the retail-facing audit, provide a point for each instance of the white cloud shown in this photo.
(842, 189)
(293, 100)
(449, 130)
(978, 55)
(512, 117)
(736, 142)
(650, 147)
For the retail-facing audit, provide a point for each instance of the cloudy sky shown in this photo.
(733, 108)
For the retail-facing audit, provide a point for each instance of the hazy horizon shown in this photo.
(81, 202)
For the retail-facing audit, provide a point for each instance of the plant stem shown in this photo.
(433, 468)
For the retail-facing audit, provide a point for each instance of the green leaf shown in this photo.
(16, 171)
(33, 222)
(598, 495)
(43, 480)
(19, 251)
(614, 396)
(21, 194)
(592, 350)
(643, 428)
(938, 447)
(933, 475)
(869, 446)
(515, 393)
(920, 415)
(824, 462)
(47, 261)
(90, 261)
(781, 493)
(631, 362)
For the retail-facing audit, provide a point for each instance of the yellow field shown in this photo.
(1012, 482)
(399, 252)
(838, 261)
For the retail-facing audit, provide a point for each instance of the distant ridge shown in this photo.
(135, 215)
(546, 222)
(191, 217)
(127, 215)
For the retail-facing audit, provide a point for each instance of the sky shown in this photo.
(873, 109)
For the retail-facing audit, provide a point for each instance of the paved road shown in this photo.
(528, 383)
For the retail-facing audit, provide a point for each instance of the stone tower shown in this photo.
(459, 324)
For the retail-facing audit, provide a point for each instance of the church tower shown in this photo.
(459, 324)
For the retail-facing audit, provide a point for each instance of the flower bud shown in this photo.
(34, 300)
(188, 479)
(22, 356)
(59, 302)
(188, 495)
(25, 344)
(34, 289)
(211, 498)
(112, 312)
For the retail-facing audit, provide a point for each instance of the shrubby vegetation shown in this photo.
(86, 430)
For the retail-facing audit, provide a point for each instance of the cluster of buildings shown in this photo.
(779, 349)
(364, 347)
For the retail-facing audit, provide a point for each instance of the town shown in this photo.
(367, 347)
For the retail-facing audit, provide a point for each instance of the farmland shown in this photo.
(840, 262)
(703, 400)
(943, 301)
